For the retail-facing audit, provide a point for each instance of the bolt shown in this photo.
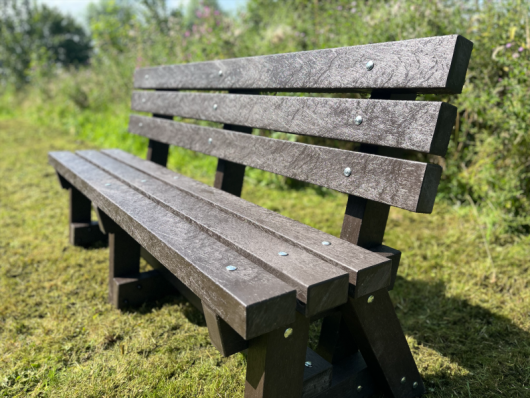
(371, 299)
(415, 385)
(231, 268)
(140, 124)
(308, 364)
(359, 388)
(139, 287)
(147, 76)
(220, 73)
(403, 380)
(214, 107)
(347, 172)
(288, 332)
(176, 177)
(283, 254)
(326, 243)
(358, 120)
(144, 180)
(107, 184)
(143, 99)
(369, 65)
(210, 140)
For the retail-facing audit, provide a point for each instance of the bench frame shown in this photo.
(362, 349)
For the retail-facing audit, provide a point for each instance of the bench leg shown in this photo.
(83, 232)
(275, 363)
(374, 326)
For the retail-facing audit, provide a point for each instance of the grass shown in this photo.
(463, 301)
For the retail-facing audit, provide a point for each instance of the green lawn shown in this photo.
(463, 301)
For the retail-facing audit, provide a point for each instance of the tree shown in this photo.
(29, 31)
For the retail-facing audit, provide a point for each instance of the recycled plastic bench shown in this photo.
(259, 277)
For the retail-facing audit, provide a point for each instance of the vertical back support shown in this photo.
(157, 152)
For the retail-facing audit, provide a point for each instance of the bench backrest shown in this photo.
(393, 72)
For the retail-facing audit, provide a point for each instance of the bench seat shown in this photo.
(164, 211)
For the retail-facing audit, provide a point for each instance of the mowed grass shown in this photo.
(463, 301)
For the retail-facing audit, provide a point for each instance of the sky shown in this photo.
(77, 8)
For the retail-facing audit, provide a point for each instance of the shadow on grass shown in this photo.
(491, 347)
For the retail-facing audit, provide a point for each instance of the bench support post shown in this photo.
(83, 232)
(158, 152)
(275, 363)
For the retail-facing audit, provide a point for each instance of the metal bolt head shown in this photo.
(214, 107)
(147, 76)
(139, 287)
(288, 332)
(403, 380)
(220, 73)
(326, 243)
(371, 299)
(283, 254)
(176, 177)
(231, 268)
(140, 124)
(358, 120)
(347, 172)
(107, 184)
(415, 385)
(143, 99)
(359, 388)
(308, 364)
(144, 180)
(370, 65)
(210, 140)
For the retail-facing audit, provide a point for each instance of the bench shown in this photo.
(261, 278)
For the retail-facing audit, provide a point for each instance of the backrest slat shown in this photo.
(428, 65)
(397, 182)
(423, 126)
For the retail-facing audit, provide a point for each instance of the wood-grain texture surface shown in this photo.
(396, 182)
(320, 285)
(429, 65)
(250, 300)
(423, 126)
(368, 271)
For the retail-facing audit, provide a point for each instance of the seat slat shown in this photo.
(423, 126)
(428, 65)
(250, 300)
(320, 285)
(369, 272)
(402, 183)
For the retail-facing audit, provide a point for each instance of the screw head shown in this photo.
(214, 107)
(283, 254)
(308, 364)
(326, 243)
(220, 73)
(347, 172)
(231, 268)
(143, 99)
(370, 65)
(139, 287)
(415, 385)
(403, 380)
(210, 140)
(358, 120)
(176, 177)
(359, 388)
(371, 299)
(288, 332)
(107, 184)
(140, 124)
(147, 76)
(144, 180)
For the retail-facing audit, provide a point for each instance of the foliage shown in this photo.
(38, 36)
(487, 164)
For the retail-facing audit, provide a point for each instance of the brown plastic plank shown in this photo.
(368, 271)
(402, 183)
(320, 285)
(250, 300)
(428, 65)
(424, 126)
